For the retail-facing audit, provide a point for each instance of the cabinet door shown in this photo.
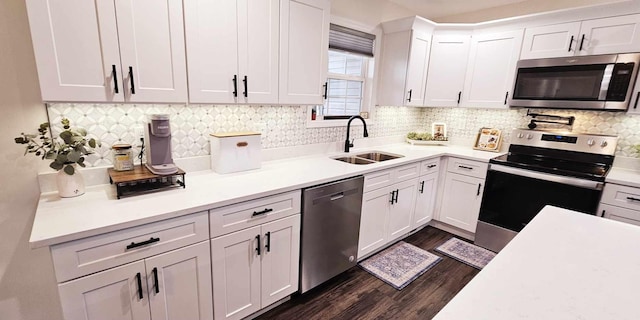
(401, 211)
(417, 70)
(373, 221)
(109, 295)
(491, 69)
(461, 201)
(393, 69)
(304, 45)
(179, 283)
(558, 40)
(258, 31)
(76, 49)
(236, 274)
(425, 200)
(447, 67)
(152, 50)
(211, 32)
(280, 259)
(610, 35)
(619, 214)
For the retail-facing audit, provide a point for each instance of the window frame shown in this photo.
(362, 78)
(371, 78)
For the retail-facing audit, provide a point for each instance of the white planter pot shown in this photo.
(70, 185)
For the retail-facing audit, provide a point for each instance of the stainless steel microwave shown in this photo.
(601, 82)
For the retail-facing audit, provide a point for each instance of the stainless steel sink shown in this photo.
(379, 156)
(369, 157)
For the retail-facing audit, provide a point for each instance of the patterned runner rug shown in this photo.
(400, 264)
(467, 253)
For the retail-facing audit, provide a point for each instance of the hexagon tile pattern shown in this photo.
(285, 126)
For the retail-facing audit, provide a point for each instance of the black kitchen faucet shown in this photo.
(348, 144)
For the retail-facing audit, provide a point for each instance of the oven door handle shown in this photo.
(581, 183)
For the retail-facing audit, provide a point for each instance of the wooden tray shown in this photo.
(140, 181)
(428, 142)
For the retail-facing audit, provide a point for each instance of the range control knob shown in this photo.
(604, 143)
(591, 142)
(520, 135)
(529, 136)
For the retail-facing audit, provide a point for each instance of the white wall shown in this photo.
(27, 283)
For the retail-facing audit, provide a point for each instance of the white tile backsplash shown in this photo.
(284, 126)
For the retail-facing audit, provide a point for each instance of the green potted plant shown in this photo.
(65, 152)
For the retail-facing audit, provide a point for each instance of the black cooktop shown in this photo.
(564, 163)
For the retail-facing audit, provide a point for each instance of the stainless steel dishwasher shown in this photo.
(330, 230)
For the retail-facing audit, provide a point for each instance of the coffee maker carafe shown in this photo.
(157, 133)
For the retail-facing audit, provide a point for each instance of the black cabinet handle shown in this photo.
(143, 243)
(133, 84)
(257, 213)
(505, 98)
(114, 74)
(267, 244)
(421, 187)
(570, 44)
(465, 167)
(410, 92)
(603, 212)
(326, 88)
(431, 166)
(397, 193)
(581, 42)
(258, 246)
(139, 280)
(479, 186)
(459, 95)
(246, 91)
(235, 85)
(633, 199)
(155, 280)
(635, 105)
(392, 196)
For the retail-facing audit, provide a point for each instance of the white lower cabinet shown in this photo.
(462, 195)
(173, 285)
(620, 203)
(425, 200)
(255, 267)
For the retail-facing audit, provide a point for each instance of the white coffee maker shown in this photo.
(157, 135)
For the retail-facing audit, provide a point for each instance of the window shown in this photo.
(349, 74)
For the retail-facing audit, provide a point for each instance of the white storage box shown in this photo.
(235, 151)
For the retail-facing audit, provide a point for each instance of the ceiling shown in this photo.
(433, 9)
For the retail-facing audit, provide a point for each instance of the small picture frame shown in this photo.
(438, 130)
(489, 139)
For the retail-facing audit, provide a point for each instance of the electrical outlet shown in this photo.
(139, 132)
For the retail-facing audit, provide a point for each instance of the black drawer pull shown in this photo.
(633, 199)
(139, 281)
(465, 167)
(143, 243)
(432, 166)
(257, 213)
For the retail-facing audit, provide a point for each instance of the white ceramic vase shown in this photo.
(70, 185)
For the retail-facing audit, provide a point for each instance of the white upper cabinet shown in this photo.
(597, 36)
(405, 61)
(558, 40)
(491, 69)
(232, 50)
(109, 51)
(78, 59)
(304, 49)
(447, 68)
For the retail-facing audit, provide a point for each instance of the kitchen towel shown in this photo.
(467, 253)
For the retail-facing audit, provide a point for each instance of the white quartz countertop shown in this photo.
(562, 265)
(624, 176)
(98, 211)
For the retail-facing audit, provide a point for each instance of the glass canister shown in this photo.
(122, 157)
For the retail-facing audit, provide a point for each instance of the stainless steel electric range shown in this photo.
(562, 169)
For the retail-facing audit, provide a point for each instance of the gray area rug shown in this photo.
(400, 264)
(467, 253)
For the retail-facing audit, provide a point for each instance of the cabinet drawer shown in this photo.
(84, 256)
(467, 167)
(621, 196)
(407, 172)
(254, 212)
(429, 166)
(620, 214)
(378, 179)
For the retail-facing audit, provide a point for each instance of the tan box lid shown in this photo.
(235, 134)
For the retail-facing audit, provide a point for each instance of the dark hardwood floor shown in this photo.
(356, 294)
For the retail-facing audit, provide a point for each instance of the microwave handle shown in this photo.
(635, 105)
